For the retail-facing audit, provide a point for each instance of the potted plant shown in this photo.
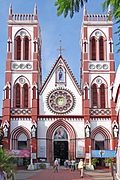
(94, 161)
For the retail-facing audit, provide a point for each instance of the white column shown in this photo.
(89, 155)
(31, 160)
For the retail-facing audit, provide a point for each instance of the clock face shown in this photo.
(60, 101)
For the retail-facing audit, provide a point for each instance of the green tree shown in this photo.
(115, 12)
(66, 6)
(72, 6)
(6, 162)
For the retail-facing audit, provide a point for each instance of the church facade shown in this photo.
(59, 118)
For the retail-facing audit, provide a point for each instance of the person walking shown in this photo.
(55, 166)
(72, 165)
(80, 167)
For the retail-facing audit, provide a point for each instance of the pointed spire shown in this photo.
(109, 9)
(10, 9)
(84, 10)
(35, 9)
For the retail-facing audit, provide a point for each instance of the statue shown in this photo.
(115, 131)
(87, 131)
(33, 131)
(60, 75)
(5, 130)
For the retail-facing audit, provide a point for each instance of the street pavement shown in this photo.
(63, 174)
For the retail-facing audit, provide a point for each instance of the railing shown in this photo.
(97, 111)
(22, 17)
(97, 17)
(19, 111)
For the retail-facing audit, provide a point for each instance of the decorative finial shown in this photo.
(60, 49)
(35, 9)
(10, 9)
(84, 9)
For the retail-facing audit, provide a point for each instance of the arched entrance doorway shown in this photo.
(20, 145)
(60, 144)
(100, 141)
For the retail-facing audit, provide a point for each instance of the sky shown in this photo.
(53, 29)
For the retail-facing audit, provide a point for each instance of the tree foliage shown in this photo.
(68, 6)
(71, 6)
(6, 161)
(115, 12)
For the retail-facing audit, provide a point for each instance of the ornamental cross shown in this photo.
(60, 49)
(102, 152)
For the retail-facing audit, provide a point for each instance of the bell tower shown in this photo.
(23, 75)
(97, 77)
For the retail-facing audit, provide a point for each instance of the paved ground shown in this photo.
(63, 174)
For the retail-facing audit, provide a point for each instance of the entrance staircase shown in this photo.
(100, 175)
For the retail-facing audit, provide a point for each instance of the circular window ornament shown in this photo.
(28, 66)
(105, 66)
(22, 80)
(15, 66)
(23, 33)
(97, 34)
(60, 101)
(99, 66)
(91, 66)
(99, 81)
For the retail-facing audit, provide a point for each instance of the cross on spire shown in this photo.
(60, 49)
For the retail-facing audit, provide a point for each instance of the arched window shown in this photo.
(17, 48)
(17, 96)
(7, 92)
(26, 48)
(101, 48)
(93, 48)
(86, 93)
(102, 96)
(25, 96)
(94, 96)
(34, 92)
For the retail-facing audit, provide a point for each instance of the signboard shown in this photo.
(20, 153)
(103, 153)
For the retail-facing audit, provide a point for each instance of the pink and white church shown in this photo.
(59, 117)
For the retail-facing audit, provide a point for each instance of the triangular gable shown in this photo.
(60, 61)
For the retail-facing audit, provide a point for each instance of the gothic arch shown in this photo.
(23, 93)
(72, 136)
(104, 35)
(98, 50)
(22, 45)
(105, 133)
(19, 81)
(22, 29)
(16, 133)
(104, 81)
